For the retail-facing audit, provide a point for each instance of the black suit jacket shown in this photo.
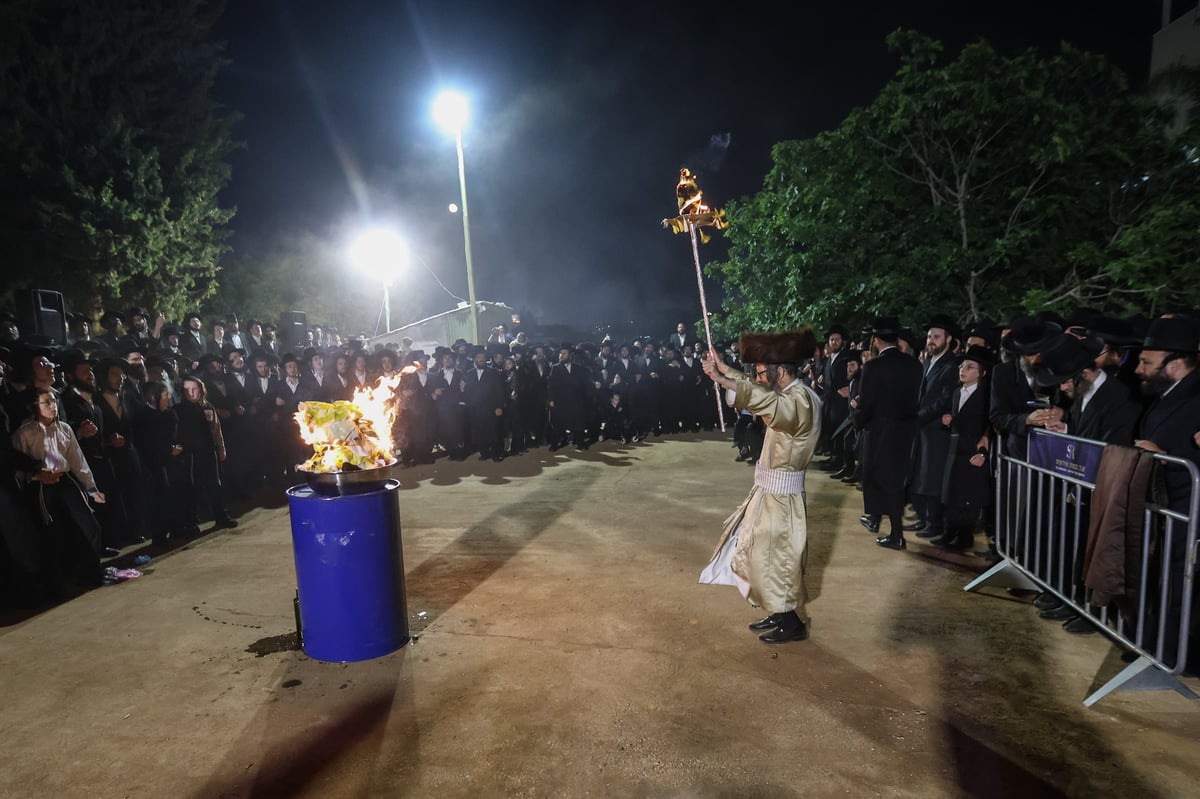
(1009, 408)
(191, 348)
(677, 341)
(938, 386)
(887, 410)
(568, 391)
(834, 406)
(1111, 415)
(1170, 422)
(484, 392)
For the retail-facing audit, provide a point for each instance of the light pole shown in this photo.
(450, 111)
(380, 253)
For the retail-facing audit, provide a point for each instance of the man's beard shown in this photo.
(934, 352)
(1154, 385)
(83, 385)
(1027, 367)
(137, 373)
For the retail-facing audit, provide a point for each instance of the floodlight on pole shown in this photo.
(380, 253)
(450, 110)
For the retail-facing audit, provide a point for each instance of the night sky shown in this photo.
(582, 115)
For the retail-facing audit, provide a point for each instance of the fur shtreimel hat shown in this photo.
(791, 347)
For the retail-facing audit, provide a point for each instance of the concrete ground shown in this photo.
(565, 649)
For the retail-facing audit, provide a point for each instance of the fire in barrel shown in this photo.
(352, 441)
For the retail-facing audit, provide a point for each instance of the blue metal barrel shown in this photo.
(349, 572)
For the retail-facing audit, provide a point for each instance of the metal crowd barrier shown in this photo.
(1041, 537)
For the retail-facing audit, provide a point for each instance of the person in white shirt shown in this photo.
(57, 493)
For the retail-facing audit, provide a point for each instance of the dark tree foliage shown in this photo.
(978, 187)
(112, 151)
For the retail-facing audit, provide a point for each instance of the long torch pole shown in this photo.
(704, 310)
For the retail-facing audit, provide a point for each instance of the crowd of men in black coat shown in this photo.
(172, 419)
(920, 426)
(180, 423)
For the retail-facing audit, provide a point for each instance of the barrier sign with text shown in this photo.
(1070, 457)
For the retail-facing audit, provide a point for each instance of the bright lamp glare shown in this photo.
(450, 111)
(380, 253)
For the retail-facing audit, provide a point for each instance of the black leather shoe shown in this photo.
(1079, 626)
(851, 480)
(915, 526)
(888, 542)
(929, 532)
(842, 474)
(871, 524)
(1061, 613)
(959, 543)
(783, 635)
(1046, 601)
(110, 552)
(769, 623)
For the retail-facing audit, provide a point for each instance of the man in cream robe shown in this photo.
(765, 541)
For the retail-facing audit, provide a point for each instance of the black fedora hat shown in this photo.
(945, 322)
(128, 345)
(1173, 334)
(138, 310)
(1112, 330)
(984, 328)
(209, 357)
(837, 329)
(1065, 357)
(75, 357)
(110, 318)
(909, 337)
(885, 324)
(108, 362)
(91, 345)
(1028, 335)
(980, 355)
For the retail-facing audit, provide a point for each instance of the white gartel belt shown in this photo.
(778, 481)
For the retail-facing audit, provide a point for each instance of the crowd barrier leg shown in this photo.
(1140, 675)
(1004, 574)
